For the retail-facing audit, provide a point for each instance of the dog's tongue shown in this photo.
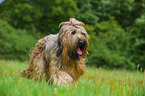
(79, 51)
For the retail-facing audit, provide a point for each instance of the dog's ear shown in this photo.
(59, 42)
(60, 45)
(59, 51)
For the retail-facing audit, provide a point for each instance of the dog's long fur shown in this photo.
(55, 56)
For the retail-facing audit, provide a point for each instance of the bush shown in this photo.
(109, 46)
(14, 44)
(138, 40)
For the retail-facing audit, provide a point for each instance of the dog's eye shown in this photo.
(73, 33)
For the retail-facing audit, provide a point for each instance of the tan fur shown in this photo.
(55, 56)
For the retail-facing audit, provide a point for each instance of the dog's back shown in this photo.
(37, 69)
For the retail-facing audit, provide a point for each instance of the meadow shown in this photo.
(95, 82)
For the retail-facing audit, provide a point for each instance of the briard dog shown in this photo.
(60, 58)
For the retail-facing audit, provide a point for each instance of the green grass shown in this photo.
(96, 82)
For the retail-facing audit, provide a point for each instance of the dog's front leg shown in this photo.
(62, 78)
(52, 70)
(57, 76)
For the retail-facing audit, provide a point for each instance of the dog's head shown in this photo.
(73, 39)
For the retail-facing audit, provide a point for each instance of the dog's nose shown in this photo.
(81, 42)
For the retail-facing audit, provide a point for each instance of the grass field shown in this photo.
(96, 82)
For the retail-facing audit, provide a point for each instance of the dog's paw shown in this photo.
(62, 78)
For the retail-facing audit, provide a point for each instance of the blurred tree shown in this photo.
(14, 44)
(111, 48)
(86, 13)
(37, 15)
(138, 40)
(126, 12)
(54, 12)
(123, 11)
(21, 15)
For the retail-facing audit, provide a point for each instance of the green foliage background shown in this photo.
(116, 28)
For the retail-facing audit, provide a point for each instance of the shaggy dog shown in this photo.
(60, 58)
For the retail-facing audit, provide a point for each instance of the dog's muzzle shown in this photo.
(81, 43)
(81, 46)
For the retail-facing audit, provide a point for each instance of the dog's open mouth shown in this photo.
(81, 47)
(79, 51)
